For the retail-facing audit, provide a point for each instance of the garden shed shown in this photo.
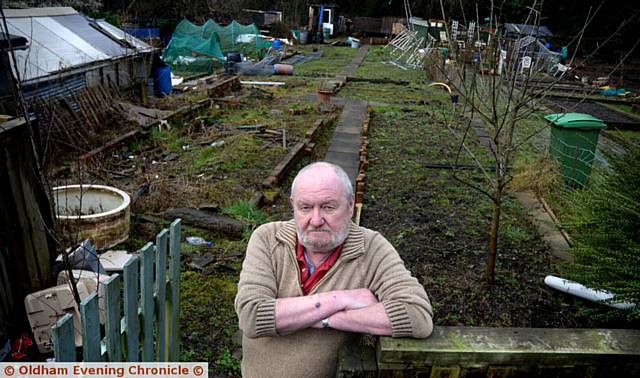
(68, 51)
(517, 31)
(529, 42)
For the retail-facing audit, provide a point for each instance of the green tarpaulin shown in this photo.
(197, 48)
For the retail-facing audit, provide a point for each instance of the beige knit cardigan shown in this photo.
(270, 271)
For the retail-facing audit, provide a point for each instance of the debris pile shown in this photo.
(85, 273)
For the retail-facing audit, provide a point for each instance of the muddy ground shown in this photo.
(440, 228)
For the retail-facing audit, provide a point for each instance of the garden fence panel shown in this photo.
(143, 306)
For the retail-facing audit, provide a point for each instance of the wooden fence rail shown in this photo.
(147, 302)
(481, 352)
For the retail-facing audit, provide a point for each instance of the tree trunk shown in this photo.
(493, 239)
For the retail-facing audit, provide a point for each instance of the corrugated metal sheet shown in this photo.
(79, 25)
(57, 88)
(122, 36)
(61, 39)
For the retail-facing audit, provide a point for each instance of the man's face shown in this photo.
(321, 210)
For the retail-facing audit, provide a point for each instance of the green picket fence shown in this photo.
(151, 307)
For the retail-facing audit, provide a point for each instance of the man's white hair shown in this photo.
(342, 175)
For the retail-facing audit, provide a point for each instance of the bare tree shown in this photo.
(495, 76)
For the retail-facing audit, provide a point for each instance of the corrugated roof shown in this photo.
(61, 38)
(78, 24)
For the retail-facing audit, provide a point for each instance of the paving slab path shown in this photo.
(344, 149)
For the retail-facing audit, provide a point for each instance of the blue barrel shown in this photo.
(304, 35)
(162, 80)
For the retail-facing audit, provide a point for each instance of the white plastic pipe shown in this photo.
(268, 83)
(582, 291)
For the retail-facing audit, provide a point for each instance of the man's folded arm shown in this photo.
(371, 320)
(261, 314)
(296, 313)
(404, 299)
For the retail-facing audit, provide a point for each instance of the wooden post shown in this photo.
(161, 289)
(174, 290)
(131, 319)
(146, 295)
(112, 318)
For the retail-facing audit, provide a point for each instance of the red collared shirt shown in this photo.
(307, 281)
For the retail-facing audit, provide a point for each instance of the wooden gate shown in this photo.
(149, 330)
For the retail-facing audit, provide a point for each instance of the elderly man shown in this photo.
(311, 284)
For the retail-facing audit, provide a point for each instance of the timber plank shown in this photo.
(89, 313)
(465, 346)
(132, 328)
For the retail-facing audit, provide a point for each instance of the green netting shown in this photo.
(197, 48)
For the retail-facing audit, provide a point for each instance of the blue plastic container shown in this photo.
(304, 36)
(162, 80)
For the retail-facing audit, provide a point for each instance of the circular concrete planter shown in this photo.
(96, 212)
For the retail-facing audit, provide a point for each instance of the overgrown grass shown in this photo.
(333, 61)
(208, 321)
(171, 139)
(413, 94)
(630, 136)
(376, 66)
(246, 212)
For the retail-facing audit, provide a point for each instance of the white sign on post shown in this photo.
(526, 63)
(503, 57)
